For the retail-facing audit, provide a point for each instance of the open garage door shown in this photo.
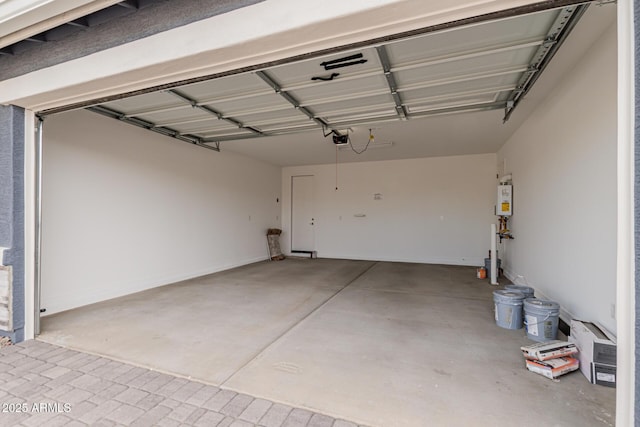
(455, 68)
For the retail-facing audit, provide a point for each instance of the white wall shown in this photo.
(433, 210)
(125, 209)
(563, 161)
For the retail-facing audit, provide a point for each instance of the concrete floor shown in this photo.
(383, 344)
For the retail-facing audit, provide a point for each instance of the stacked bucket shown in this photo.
(516, 306)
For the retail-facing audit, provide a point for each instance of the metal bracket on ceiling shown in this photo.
(508, 106)
(293, 101)
(391, 82)
(566, 20)
(145, 124)
(548, 42)
(213, 144)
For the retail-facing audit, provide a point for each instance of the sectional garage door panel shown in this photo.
(488, 65)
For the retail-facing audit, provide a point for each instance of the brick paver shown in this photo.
(298, 418)
(319, 420)
(275, 416)
(255, 410)
(237, 405)
(44, 384)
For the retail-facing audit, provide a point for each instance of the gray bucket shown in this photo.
(526, 290)
(487, 265)
(508, 308)
(541, 319)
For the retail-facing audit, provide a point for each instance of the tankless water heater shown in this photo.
(504, 206)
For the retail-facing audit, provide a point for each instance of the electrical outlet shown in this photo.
(612, 311)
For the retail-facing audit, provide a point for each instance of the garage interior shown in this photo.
(154, 244)
(377, 343)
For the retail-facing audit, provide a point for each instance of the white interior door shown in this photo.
(302, 219)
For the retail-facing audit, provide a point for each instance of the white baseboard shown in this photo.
(519, 279)
(68, 302)
(463, 261)
(512, 276)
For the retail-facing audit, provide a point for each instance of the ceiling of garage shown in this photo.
(403, 90)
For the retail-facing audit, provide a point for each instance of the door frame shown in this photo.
(291, 218)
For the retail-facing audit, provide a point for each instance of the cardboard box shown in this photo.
(548, 350)
(553, 368)
(603, 374)
(597, 353)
